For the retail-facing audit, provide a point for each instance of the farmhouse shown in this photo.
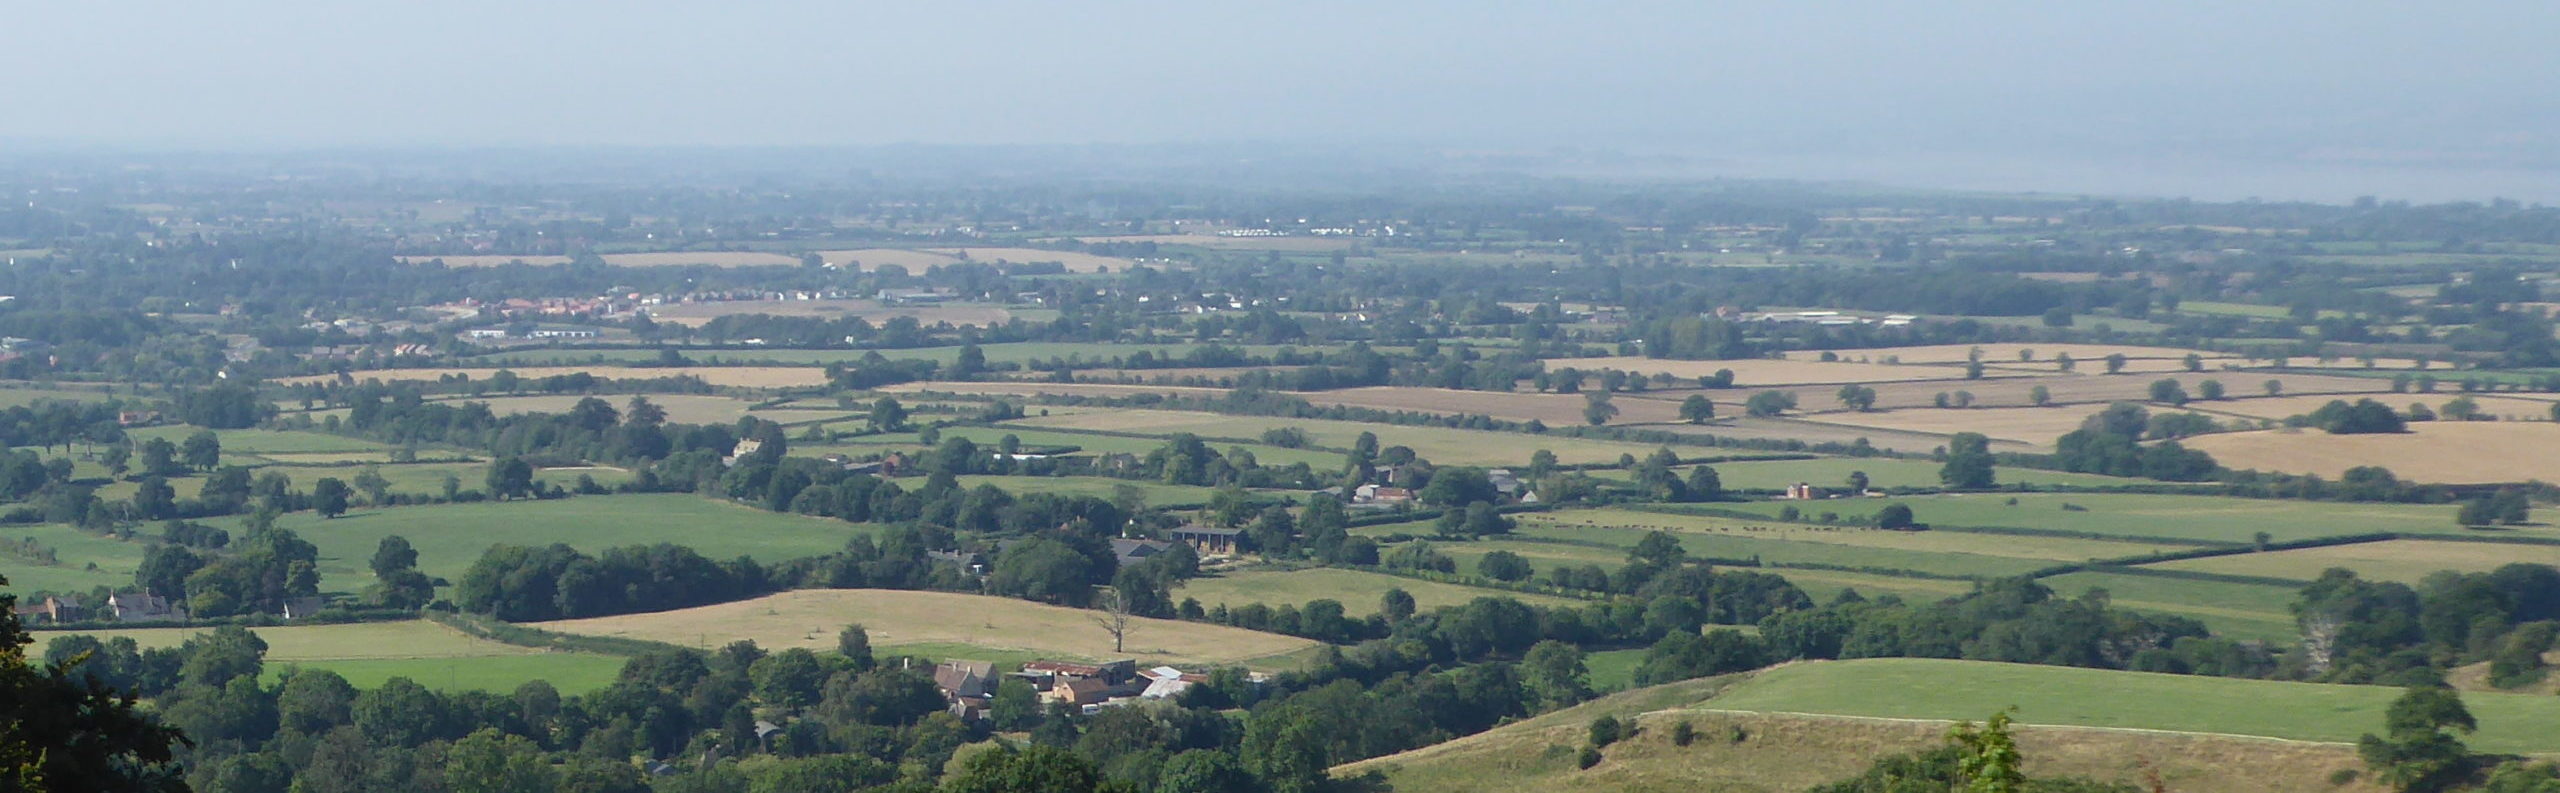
(1802, 491)
(967, 685)
(1165, 682)
(58, 609)
(302, 608)
(144, 607)
(1207, 540)
(1132, 552)
(1381, 494)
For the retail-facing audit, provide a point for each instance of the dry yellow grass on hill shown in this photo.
(1791, 752)
(811, 618)
(2444, 452)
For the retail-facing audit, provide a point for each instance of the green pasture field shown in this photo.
(27, 394)
(449, 537)
(1266, 455)
(1440, 445)
(254, 441)
(1613, 670)
(1721, 537)
(1832, 473)
(1359, 592)
(77, 550)
(368, 653)
(2199, 518)
(1825, 585)
(1157, 493)
(571, 673)
(2234, 309)
(2236, 610)
(411, 478)
(1914, 688)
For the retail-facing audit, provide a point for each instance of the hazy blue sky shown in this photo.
(1808, 86)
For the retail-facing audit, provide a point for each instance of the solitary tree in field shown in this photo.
(1696, 409)
(1968, 462)
(2115, 363)
(2040, 395)
(1769, 403)
(329, 497)
(2274, 387)
(1857, 481)
(2167, 391)
(2209, 390)
(510, 477)
(1857, 397)
(1115, 615)
(887, 415)
(2195, 363)
(1596, 408)
(2064, 362)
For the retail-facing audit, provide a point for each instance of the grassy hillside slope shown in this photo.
(1791, 727)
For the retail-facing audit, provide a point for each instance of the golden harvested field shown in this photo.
(2445, 452)
(662, 259)
(917, 259)
(2504, 407)
(2131, 365)
(1556, 410)
(2062, 388)
(1440, 445)
(1766, 372)
(811, 618)
(2007, 354)
(697, 314)
(2405, 561)
(733, 376)
(1011, 388)
(2038, 426)
(1215, 242)
(1816, 431)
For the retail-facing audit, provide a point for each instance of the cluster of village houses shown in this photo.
(970, 686)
